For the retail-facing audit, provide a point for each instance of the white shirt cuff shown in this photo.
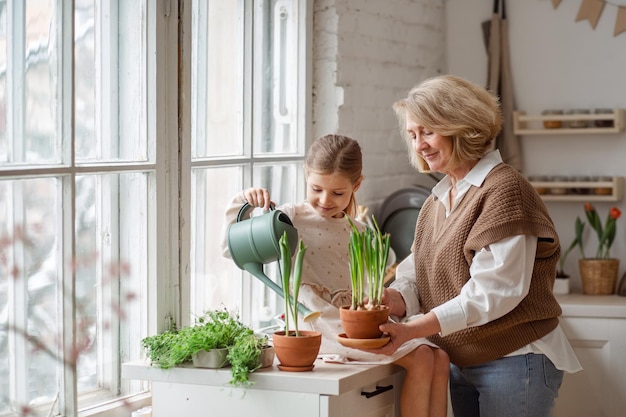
(451, 317)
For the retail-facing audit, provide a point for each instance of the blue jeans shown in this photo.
(514, 386)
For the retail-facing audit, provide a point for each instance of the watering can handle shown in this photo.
(245, 208)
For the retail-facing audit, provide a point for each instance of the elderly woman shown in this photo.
(483, 261)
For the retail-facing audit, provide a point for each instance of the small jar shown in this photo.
(560, 188)
(541, 189)
(582, 190)
(552, 123)
(603, 122)
(577, 124)
(601, 189)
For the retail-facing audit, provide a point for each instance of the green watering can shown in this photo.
(253, 242)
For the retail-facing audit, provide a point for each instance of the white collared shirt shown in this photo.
(494, 288)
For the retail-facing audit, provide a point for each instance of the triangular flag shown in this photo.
(555, 3)
(591, 10)
(620, 21)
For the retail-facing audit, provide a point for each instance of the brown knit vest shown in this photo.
(505, 205)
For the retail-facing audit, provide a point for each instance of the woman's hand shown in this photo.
(398, 335)
(258, 197)
(423, 325)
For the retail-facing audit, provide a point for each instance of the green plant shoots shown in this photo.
(285, 268)
(368, 252)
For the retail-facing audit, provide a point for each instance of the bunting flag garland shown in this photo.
(591, 10)
(620, 21)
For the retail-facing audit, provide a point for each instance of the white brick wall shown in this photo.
(366, 55)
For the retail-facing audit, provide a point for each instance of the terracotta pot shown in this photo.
(297, 353)
(598, 275)
(363, 324)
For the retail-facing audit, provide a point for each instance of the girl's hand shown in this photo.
(393, 299)
(258, 197)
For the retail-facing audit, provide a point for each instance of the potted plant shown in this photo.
(598, 274)
(368, 252)
(215, 340)
(209, 340)
(249, 353)
(295, 349)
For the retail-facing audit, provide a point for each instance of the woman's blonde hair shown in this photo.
(454, 107)
(336, 154)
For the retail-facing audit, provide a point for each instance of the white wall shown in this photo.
(366, 55)
(556, 63)
(369, 53)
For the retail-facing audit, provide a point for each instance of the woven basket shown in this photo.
(598, 275)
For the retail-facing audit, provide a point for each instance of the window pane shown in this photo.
(111, 241)
(214, 282)
(217, 75)
(85, 81)
(29, 289)
(32, 91)
(215, 279)
(277, 89)
(3, 84)
(284, 180)
(110, 121)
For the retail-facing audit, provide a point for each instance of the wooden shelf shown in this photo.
(533, 125)
(616, 187)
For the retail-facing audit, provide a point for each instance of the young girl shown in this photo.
(333, 168)
(333, 174)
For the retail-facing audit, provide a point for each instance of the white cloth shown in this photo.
(495, 287)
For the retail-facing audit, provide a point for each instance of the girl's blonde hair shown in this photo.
(336, 154)
(454, 107)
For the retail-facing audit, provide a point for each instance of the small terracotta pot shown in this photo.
(297, 353)
(363, 324)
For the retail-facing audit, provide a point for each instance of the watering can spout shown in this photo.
(256, 269)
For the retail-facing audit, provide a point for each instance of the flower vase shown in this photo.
(598, 275)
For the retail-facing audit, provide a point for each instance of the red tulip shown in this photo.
(605, 234)
(615, 213)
